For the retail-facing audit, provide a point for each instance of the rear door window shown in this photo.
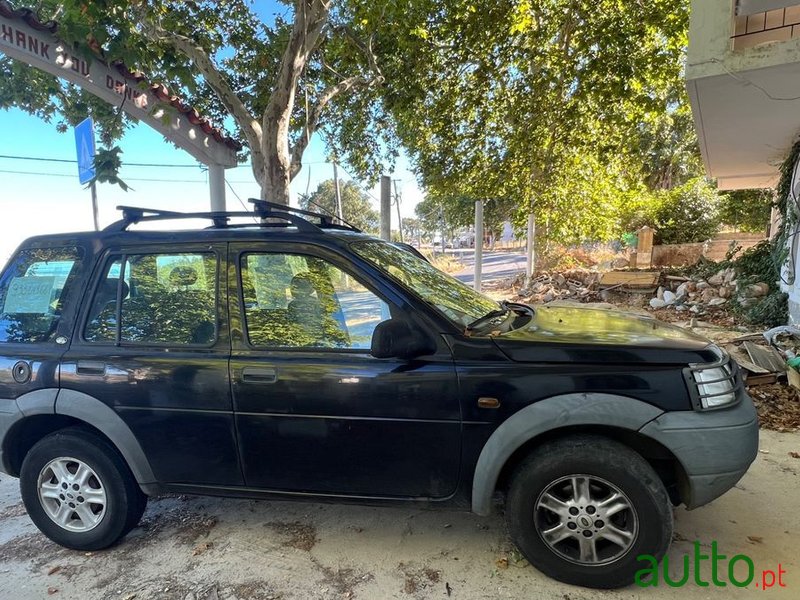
(32, 292)
(161, 299)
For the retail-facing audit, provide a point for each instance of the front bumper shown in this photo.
(715, 447)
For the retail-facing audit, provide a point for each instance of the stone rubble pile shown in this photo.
(697, 295)
(575, 284)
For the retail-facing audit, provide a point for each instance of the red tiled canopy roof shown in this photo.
(159, 90)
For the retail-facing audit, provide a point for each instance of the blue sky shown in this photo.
(45, 197)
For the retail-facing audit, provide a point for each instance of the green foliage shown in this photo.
(788, 209)
(770, 311)
(747, 210)
(639, 209)
(555, 103)
(245, 53)
(689, 213)
(755, 265)
(107, 164)
(356, 205)
(667, 145)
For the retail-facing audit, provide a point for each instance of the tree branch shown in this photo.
(216, 80)
(346, 85)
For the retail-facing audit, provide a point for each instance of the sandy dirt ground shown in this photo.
(193, 548)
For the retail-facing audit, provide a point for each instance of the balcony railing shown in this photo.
(767, 27)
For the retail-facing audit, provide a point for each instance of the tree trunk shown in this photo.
(275, 178)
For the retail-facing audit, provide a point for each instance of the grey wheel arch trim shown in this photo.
(546, 415)
(97, 414)
(38, 402)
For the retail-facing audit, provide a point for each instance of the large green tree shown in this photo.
(556, 103)
(357, 208)
(274, 81)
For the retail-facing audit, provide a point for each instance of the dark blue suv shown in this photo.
(280, 354)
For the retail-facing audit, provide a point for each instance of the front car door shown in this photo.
(315, 411)
(154, 347)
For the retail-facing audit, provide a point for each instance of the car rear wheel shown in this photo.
(582, 509)
(78, 490)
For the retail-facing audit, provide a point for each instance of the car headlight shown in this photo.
(715, 385)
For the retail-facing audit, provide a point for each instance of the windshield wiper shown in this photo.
(489, 316)
(519, 307)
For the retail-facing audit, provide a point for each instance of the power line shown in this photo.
(244, 206)
(358, 184)
(152, 179)
(71, 176)
(137, 164)
(70, 161)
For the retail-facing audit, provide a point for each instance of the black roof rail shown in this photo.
(134, 214)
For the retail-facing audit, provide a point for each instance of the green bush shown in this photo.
(686, 214)
(747, 210)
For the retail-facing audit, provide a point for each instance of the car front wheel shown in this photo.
(78, 490)
(582, 510)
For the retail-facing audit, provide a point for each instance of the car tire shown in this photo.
(582, 509)
(79, 491)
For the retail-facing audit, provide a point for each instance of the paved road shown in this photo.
(496, 265)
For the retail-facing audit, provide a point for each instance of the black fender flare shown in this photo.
(546, 415)
(92, 411)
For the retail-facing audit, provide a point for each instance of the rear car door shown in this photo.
(315, 411)
(154, 346)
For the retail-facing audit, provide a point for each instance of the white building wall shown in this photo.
(790, 273)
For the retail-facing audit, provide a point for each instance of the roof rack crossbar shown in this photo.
(326, 221)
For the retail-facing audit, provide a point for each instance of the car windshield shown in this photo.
(456, 300)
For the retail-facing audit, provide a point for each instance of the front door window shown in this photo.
(298, 301)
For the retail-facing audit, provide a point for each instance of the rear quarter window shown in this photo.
(32, 292)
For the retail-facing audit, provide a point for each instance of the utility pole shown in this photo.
(386, 208)
(478, 244)
(95, 215)
(530, 264)
(339, 211)
(397, 203)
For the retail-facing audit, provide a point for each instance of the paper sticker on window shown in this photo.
(29, 295)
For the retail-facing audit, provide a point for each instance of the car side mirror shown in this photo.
(397, 338)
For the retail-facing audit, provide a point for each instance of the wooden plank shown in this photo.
(743, 360)
(630, 278)
(766, 357)
(763, 379)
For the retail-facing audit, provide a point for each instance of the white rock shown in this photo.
(682, 290)
(657, 303)
(717, 301)
(660, 293)
(669, 297)
(701, 285)
(695, 309)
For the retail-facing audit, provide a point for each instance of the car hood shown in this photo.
(589, 335)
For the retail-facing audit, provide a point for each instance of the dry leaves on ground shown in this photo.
(778, 406)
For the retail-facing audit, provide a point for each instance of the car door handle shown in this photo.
(91, 367)
(259, 375)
